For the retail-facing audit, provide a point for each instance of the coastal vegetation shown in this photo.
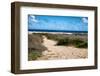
(36, 47)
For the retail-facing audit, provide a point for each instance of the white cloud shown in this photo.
(34, 19)
(85, 20)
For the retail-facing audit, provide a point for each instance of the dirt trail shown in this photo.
(61, 52)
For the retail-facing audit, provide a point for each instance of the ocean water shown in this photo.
(65, 31)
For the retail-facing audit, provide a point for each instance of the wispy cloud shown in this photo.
(85, 20)
(33, 18)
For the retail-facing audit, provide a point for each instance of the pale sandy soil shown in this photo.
(61, 52)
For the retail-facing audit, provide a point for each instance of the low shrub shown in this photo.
(82, 45)
(34, 55)
(74, 42)
(51, 36)
(79, 43)
(64, 41)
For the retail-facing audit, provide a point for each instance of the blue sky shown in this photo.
(60, 23)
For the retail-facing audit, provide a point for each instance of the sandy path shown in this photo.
(61, 52)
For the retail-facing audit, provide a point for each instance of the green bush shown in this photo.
(76, 41)
(82, 45)
(51, 36)
(79, 43)
(34, 55)
(64, 41)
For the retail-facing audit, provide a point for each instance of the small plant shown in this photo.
(64, 41)
(82, 45)
(34, 55)
(79, 43)
(76, 41)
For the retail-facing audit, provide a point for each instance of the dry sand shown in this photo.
(61, 52)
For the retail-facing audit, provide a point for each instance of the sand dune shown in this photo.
(61, 52)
